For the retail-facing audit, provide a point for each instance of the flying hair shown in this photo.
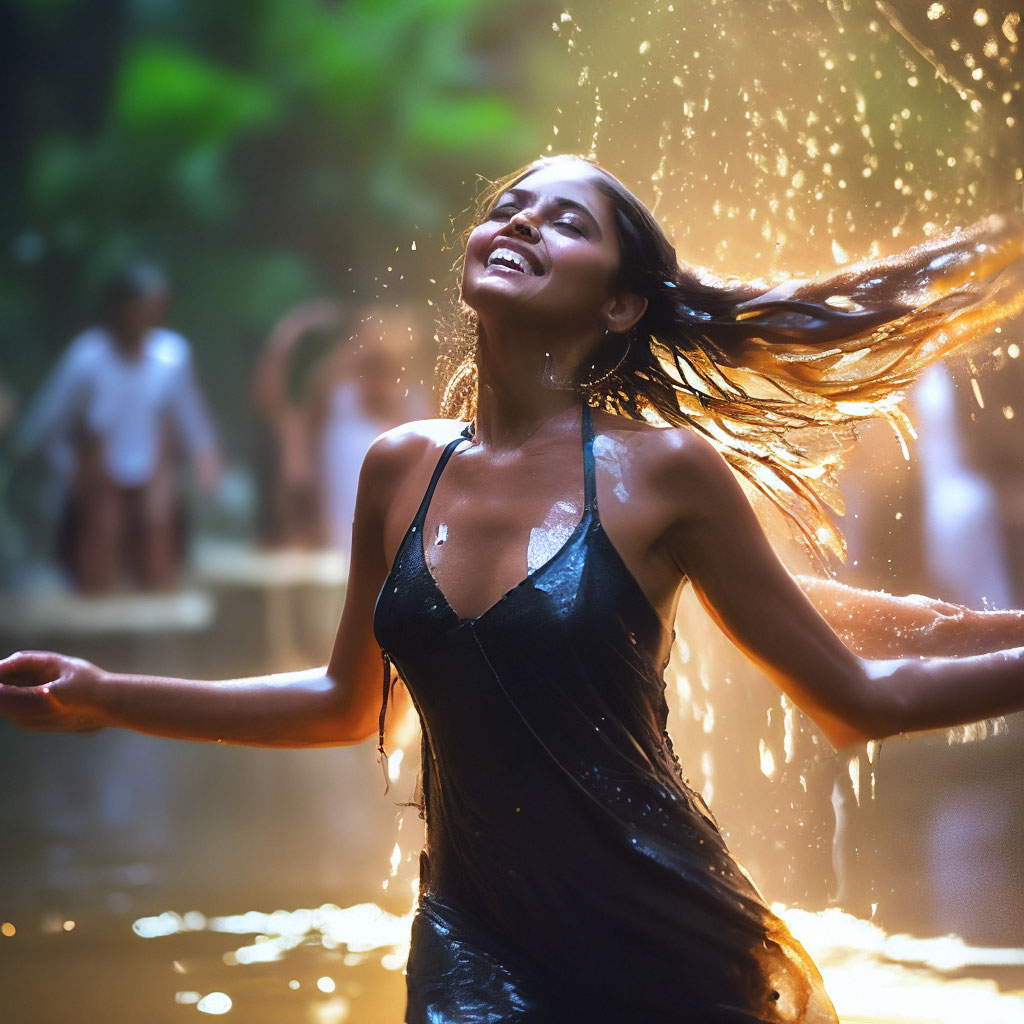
(775, 376)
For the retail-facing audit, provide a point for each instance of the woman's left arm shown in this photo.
(717, 542)
(875, 624)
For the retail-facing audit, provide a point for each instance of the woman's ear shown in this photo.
(623, 310)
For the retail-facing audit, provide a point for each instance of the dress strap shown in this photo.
(388, 684)
(421, 512)
(416, 527)
(589, 472)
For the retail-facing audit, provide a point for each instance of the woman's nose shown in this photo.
(524, 227)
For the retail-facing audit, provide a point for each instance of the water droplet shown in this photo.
(215, 1003)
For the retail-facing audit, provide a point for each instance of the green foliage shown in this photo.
(163, 94)
(463, 123)
(259, 148)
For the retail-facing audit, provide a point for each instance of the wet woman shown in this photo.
(522, 570)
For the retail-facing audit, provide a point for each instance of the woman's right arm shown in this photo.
(336, 704)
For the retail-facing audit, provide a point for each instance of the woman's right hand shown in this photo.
(48, 692)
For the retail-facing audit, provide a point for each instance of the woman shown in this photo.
(521, 571)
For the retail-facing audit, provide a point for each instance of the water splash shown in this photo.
(901, 979)
(833, 138)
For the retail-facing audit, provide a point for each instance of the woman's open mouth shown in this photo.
(509, 260)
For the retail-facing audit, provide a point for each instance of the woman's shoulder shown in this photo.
(421, 433)
(670, 475)
(674, 469)
(402, 447)
(657, 449)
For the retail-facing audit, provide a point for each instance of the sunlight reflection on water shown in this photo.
(870, 974)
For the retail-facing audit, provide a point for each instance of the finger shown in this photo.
(27, 707)
(30, 668)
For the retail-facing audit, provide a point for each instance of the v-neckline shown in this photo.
(528, 578)
(589, 508)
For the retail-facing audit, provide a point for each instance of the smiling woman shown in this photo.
(569, 870)
(520, 571)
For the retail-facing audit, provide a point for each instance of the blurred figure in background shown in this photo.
(290, 490)
(359, 395)
(934, 523)
(119, 403)
(964, 551)
(323, 420)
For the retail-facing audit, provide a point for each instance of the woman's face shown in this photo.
(547, 252)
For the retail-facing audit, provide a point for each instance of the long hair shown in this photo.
(775, 376)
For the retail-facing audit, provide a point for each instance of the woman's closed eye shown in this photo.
(573, 224)
(570, 222)
(503, 210)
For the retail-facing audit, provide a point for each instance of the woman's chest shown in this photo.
(491, 523)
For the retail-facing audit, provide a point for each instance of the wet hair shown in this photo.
(128, 283)
(775, 375)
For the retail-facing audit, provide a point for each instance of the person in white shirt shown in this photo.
(119, 403)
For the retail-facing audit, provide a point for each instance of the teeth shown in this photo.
(508, 258)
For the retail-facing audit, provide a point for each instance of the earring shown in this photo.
(586, 387)
(550, 380)
(547, 377)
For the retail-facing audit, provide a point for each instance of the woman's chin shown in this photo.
(490, 294)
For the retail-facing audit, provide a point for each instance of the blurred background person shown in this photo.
(360, 394)
(324, 398)
(933, 521)
(111, 417)
(964, 550)
(939, 522)
(280, 390)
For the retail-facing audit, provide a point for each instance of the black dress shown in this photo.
(569, 872)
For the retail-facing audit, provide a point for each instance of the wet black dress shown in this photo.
(569, 873)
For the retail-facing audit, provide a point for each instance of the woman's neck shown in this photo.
(517, 390)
